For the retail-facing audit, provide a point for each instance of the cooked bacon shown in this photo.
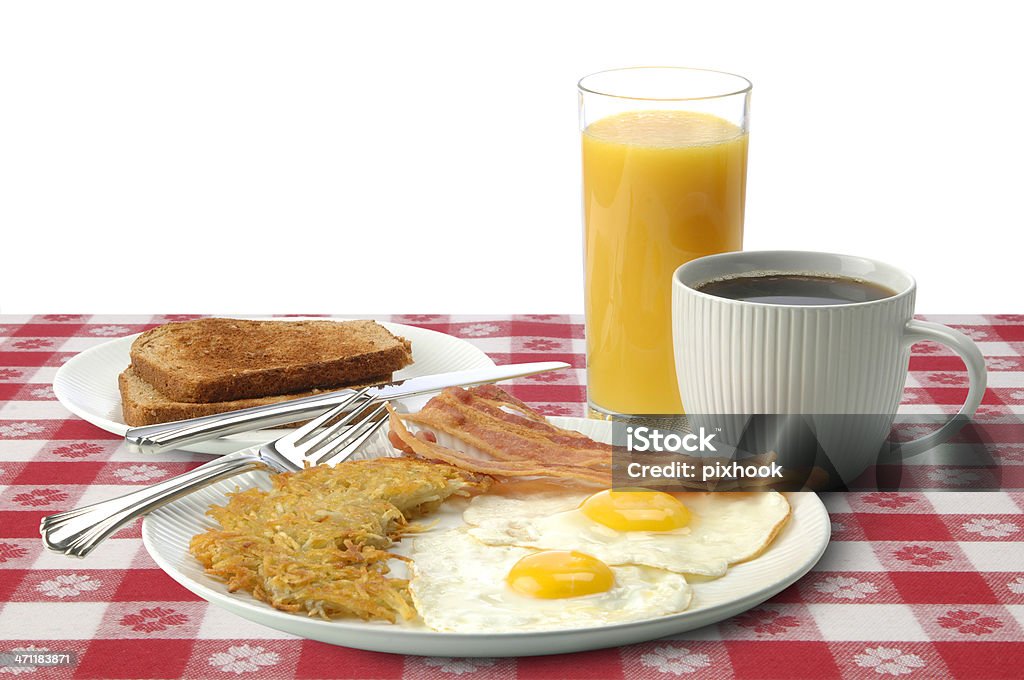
(507, 429)
(518, 441)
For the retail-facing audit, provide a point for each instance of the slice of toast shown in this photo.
(142, 404)
(216, 360)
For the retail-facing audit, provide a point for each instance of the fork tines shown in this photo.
(336, 433)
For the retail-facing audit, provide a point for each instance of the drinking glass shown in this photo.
(664, 181)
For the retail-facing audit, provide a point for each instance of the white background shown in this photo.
(423, 157)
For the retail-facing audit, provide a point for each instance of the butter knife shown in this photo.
(156, 438)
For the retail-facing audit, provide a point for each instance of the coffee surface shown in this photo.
(796, 289)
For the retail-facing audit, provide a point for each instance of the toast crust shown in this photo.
(142, 404)
(218, 360)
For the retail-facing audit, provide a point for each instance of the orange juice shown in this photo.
(659, 188)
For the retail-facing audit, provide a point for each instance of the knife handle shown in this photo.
(173, 435)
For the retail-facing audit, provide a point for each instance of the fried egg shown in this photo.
(689, 533)
(460, 585)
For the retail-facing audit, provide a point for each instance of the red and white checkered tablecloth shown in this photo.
(926, 585)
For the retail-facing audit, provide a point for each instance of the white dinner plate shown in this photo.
(87, 384)
(798, 546)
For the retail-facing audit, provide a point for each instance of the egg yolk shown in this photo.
(554, 574)
(636, 510)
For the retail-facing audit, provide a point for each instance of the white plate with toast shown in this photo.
(87, 385)
(794, 551)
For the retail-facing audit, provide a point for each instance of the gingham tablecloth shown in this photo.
(913, 584)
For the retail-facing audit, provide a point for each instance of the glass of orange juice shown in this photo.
(664, 181)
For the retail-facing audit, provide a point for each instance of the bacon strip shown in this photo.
(518, 441)
(507, 429)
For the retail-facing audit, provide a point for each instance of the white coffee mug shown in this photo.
(741, 357)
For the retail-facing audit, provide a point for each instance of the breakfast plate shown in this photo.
(795, 550)
(87, 384)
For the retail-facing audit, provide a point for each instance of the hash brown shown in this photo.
(318, 541)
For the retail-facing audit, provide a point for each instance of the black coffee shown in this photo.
(796, 289)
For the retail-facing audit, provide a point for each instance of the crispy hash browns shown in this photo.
(317, 542)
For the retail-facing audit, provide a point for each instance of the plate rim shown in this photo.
(417, 638)
(60, 378)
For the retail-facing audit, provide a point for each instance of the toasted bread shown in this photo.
(218, 360)
(142, 404)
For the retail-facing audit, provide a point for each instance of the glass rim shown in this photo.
(743, 90)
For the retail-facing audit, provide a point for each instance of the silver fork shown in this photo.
(77, 532)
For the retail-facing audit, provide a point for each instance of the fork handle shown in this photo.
(77, 532)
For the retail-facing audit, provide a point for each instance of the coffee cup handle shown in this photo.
(918, 331)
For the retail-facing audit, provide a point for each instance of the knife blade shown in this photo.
(156, 438)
